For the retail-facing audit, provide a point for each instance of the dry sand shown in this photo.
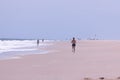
(93, 59)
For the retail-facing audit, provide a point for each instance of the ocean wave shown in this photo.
(20, 45)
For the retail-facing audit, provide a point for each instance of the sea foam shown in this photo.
(11, 48)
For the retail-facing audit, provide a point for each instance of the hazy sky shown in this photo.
(60, 19)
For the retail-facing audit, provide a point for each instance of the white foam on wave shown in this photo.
(14, 44)
(14, 49)
(19, 45)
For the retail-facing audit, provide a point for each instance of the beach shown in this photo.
(93, 59)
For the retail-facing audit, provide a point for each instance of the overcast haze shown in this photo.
(60, 19)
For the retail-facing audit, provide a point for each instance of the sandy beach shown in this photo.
(92, 59)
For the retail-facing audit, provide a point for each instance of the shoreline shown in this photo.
(9, 49)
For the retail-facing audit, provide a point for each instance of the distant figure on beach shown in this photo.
(42, 40)
(73, 44)
(38, 42)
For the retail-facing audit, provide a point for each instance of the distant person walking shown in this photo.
(42, 40)
(38, 42)
(73, 44)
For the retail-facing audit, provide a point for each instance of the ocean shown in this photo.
(13, 49)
